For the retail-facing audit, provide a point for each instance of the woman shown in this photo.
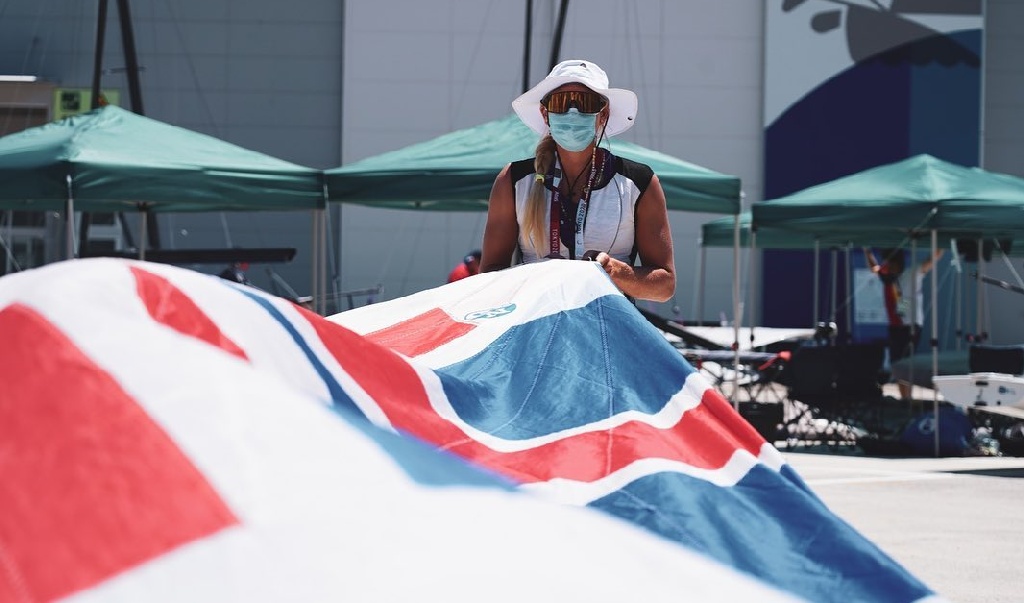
(898, 286)
(575, 200)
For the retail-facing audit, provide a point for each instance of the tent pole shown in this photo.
(736, 311)
(849, 293)
(752, 284)
(958, 292)
(935, 338)
(817, 268)
(315, 260)
(143, 225)
(698, 291)
(834, 277)
(979, 296)
(69, 222)
(323, 260)
(913, 308)
(329, 255)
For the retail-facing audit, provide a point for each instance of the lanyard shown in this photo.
(596, 173)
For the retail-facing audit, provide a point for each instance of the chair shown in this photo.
(812, 397)
(859, 386)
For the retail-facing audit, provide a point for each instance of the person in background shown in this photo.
(575, 200)
(897, 288)
(469, 266)
(236, 273)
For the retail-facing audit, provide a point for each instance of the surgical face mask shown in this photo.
(572, 130)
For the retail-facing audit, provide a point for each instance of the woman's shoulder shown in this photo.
(520, 169)
(640, 173)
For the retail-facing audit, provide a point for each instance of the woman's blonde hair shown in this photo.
(536, 204)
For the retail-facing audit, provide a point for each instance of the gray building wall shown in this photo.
(321, 82)
(1003, 146)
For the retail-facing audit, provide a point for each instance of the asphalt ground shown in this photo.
(957, 524)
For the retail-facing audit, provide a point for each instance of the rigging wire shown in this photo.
(404, 281)
(203, 100)
(637, 69)
(8, 119)
(457, 109)
(11, 259)
(1009, 265)
(916, 229)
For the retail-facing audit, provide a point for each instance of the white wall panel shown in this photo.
(268, 75)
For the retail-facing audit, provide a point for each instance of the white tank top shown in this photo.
(609, 223)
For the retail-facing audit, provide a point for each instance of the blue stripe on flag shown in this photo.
(771, 526)
(338, 395)
(424, 462)
(585, 353)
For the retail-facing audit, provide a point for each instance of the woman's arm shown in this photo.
(655, 278)
(872, 262)
(502, 230)
(930, 262)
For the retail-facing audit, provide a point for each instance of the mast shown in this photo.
(527, 37)
(131, 59)
(85, 218)
(556, 45)
(152, 233)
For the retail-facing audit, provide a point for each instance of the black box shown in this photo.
(765, 418)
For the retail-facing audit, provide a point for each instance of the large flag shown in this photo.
(167, 435)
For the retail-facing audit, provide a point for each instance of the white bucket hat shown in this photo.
(622, 103)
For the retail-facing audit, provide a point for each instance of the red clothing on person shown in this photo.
(459, 272)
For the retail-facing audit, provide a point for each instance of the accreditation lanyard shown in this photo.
(581, 211)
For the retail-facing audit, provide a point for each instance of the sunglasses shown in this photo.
(584, 101)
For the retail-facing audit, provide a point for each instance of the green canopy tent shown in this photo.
(894, 205)
(917, 196)
(455, 171)
(719, 233)
(112, 160)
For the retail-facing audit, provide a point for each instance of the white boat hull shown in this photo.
(988, 391)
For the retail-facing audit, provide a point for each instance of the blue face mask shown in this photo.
(573, 131)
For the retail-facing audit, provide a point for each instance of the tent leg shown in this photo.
(835, 285)
(698, 291)
(912, 270)
(849, 294)
(315, 261)
(69, 223)
(736, 311)
(330, 256)
(817, 268)
(934, 337)
(752, 270)
(322, 262)
(979, 321)
(143, 229)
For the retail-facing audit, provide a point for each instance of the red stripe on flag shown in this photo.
(90, 485)
(169, 305)
(421, 334)
(705, 437)
(701, 439)
(387, 378)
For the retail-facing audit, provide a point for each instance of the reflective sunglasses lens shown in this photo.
(585, 102)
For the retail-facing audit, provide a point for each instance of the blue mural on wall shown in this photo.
(907, 89)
